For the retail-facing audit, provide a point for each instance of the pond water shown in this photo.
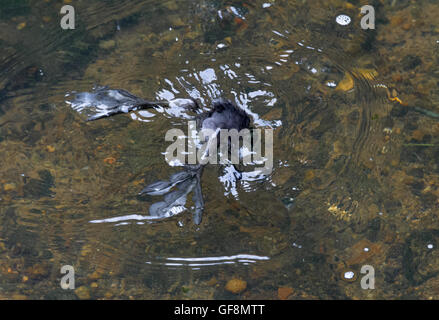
(355, 179)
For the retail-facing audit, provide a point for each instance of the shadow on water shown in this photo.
(351, 158)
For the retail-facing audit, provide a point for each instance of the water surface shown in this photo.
(355, 179)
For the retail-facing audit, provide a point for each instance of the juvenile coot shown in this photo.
(105, 102)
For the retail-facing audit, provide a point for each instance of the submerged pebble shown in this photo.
(83, 293)
(284, 292)
(9, 186)
(236, 285)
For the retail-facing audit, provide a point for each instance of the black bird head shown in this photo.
(225, 115)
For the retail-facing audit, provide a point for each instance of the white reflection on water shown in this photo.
(123, 220)
(197, 262)
(207, 81)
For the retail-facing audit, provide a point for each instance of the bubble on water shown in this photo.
(343, 19)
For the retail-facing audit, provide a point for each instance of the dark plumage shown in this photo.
(225, 115)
